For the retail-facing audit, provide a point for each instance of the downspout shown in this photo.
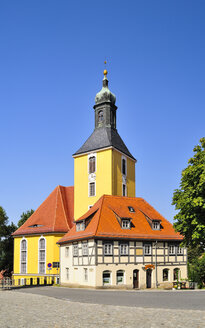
(156, 264)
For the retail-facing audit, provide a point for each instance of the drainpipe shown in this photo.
(156, 264)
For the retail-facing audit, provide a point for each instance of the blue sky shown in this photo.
(51, 64)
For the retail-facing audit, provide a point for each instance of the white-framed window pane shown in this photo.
(67, 251)
(85, 248)
(120, 277)
(67, 274)
(23, 245)
(92, 189)
(42, 267)
(42, 243)
(85, 274)
(156, 225)
(23, 267)
(125, 224)
(171, 249)
(147, 249)
(107, 249)
(123, 249)
(75, 250)
(42, 255)
(179, 250)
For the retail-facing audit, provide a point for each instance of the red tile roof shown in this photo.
(104, 222)
(55, 214)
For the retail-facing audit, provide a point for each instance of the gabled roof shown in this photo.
(55, 214)
(103, 138)
(104, 222)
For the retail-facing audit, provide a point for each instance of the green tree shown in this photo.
(6, 241)
(189, 200)
(24, 217)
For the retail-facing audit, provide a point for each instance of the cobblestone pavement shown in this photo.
(21, 310)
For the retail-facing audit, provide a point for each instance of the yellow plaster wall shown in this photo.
(117, 174)
(52, 253)
(103, 180)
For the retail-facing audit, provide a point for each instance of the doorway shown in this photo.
(136, 278)
(149, 278)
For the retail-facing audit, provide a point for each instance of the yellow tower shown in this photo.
(103, 165)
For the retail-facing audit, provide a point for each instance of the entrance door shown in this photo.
(136, 278)
(149, 278)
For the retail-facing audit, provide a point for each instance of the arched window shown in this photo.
(106, 278)
(120, 279)
(23, 256)
(92, 164)
(42, 255)
(165, 274)
(100, 116)
(176, 274)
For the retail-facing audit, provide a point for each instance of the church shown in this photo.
(97, 233)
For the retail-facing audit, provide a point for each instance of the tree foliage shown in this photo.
(24, 217)
(189, 200)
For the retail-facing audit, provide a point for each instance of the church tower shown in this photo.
(103, 165)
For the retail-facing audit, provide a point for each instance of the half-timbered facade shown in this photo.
(122, 242)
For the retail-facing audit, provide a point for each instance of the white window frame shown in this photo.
(85, 248)
(26, 251)
(155, 225)
(67, 274)
(67, 249)
(86, 274)
(125, 224)
(179, 250)
(124, 249)
(75, 250)
(89, 194)
(80, 226)
(89, 206)
(124, 158)
(124, 184)
(108, 249)
(172, 249)
(40, 261)
(147, 249)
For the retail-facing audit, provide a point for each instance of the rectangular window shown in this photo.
(108, 249)
(75, 250)
(124, 190)
(125, 224)
(42, 255)
(171, 249)
(85, 274)
(92, 165)
(23, 267)
(67, 252)
(67, 273)
(155, 225)
(179, 250)
(42, 267)
(124, 166)
(147, 249)
(85, 248)
(80, 226)
(123, 249)
(91, 189)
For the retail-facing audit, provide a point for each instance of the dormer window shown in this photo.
(80, 226)
(131, 209)
(125, 224)
(156, 225)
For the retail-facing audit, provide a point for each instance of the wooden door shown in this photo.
(136, 278)
(149, 278)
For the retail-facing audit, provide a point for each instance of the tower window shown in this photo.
(124, 190)
(91, 189)
(100, 116)
(124, 166)
(92, 164)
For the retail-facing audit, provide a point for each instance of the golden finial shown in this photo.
(105, 71)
